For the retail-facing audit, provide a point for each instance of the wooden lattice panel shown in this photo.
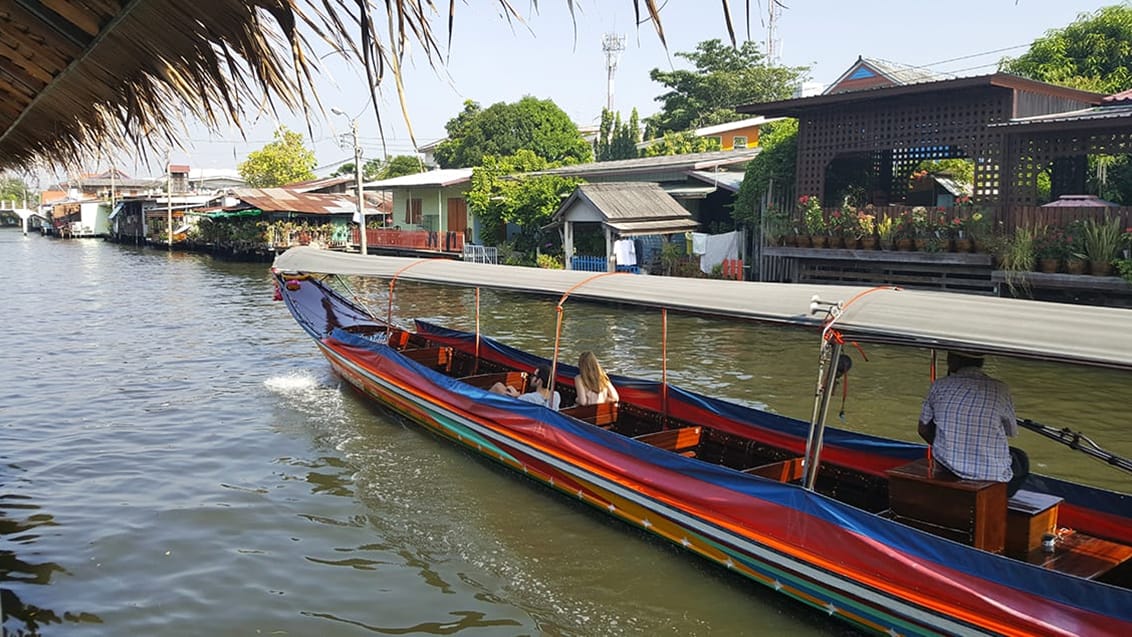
(908, 129)
(1033, 153)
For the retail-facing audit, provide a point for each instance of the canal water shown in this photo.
(176, 458)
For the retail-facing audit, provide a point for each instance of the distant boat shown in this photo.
(859, 527)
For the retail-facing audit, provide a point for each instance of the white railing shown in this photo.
(481, 254)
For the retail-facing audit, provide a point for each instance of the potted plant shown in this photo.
(921, 226)
(905, 231)
(1101, 240)
(1016, 258)
(813, 220)
(1051, 245)
(776, 225)
(977, 228)
(865, 230)
(886, 232)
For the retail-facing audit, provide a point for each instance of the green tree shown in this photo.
(504, 129)
(1094, 53)
(283, 161)
(617, 140)
(345, 170)
(400, 165)
(775, 162)
(500, 195)
(15, 189)
(723, 78)
(680, 144)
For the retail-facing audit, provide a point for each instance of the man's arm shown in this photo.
(927, 431)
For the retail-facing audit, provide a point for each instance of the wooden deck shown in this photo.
(952, 271)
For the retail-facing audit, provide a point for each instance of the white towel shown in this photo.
(719, 247)
(699, 243)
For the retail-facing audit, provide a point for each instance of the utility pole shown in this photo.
(613, 45)
(361, 209)
(358, 185)
(169, 200)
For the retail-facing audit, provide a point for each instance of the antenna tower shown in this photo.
(613, 45)
(772, 51)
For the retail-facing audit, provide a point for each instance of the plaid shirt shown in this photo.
(973, 415)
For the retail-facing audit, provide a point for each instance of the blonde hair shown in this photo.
(591, 372)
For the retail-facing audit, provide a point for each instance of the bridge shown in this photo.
(20, 210)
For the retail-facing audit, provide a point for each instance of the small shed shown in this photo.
(625, 210)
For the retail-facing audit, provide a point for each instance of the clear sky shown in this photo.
(551, 57)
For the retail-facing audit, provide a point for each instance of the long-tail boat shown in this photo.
(863, 528)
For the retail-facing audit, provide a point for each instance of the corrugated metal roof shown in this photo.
(1120, 110)
(690, 161)
(795, 106)
(319, 184)
(631, 208)
(285, 200)
(727, 179)
(1122, 97)
(431, 179)
(1079, 201)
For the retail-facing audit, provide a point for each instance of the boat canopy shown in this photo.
(1080, 334)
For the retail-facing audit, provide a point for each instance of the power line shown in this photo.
(975, 55)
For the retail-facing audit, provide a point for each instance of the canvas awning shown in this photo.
(1081, 334)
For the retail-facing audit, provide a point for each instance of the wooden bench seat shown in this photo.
(789, 470)
(434, 357)
(928, 496)
(1081, 555)
(517, 380)
(603, 415)
(1029, 516)
(682, 441)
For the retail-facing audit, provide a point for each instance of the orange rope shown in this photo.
(393, 282)
(558, 327)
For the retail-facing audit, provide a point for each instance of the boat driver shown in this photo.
(966, 418)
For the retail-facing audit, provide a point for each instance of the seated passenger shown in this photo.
(592, 383)
(966, 418)
(539, 393)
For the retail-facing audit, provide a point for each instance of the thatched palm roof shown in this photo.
(82, 77)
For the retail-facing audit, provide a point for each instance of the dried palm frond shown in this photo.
(88, 76)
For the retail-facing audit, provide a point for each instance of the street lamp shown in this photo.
(357, 177)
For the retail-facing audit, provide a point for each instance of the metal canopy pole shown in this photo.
(827, 377)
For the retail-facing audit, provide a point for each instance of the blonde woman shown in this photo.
(592, 384)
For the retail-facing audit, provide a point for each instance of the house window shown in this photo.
(740, 141)
(413, 212)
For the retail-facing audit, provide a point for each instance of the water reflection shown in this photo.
(22, 617)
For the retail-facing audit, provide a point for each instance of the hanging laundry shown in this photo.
(719, 247)
(625, 252)
(699, 243)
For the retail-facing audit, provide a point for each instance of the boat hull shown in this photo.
(857, 566)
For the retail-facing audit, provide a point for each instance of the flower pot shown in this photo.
(1049, 266)
(868, 243)
(818, 240)
(1100, 268)
(964, 244)
(904, 244)
(920, 244)
(1075, 266)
